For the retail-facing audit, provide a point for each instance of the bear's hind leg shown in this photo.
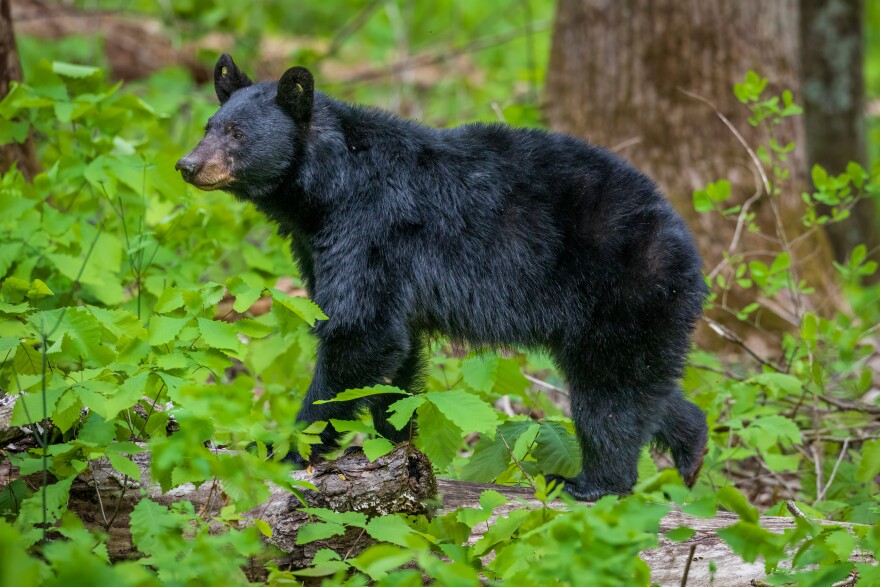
(612, 425)
(683, 431)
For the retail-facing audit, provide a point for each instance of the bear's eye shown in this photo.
(237, 135)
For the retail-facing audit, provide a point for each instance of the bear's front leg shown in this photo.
(349, 359)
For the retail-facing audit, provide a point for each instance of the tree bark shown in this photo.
(832, 53)
(401, 481)
(618, 76)
(22, 154)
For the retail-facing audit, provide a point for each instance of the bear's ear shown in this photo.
(296, 93)
(228, 78)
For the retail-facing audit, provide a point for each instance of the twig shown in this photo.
(736, 133)
(426, 59)
(730, 336)
(351, 27)
(849, 581)
(795, 511)
(544, 385)
(848, 405)
(737, 233)
(356, 540)
(624, 144)
(825, 489)
(687, 566)
(529, 479)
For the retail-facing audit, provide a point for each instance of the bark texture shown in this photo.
(832, 49)
(23, 154)
(618, 73)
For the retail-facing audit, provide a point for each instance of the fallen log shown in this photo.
(403, 482)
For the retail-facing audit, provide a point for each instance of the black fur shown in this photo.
(489, 235)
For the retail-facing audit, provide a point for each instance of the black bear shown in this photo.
(485, 234)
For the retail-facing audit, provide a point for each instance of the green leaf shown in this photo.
(489, 459)
(56, 498)
(733, 500)
(39, 290)
(465, 410)
(125, 466)
(82, 329)
(820, 177)
(869, 464)
(479, 372)
(857, 174)
(219, 334)
(491, 499)
(402, 410)
(719, 190)
(67, 411)
(680, 534)
(702, 508)
(779, 427)
(356, 519)
(8, 343)
(302, 307)
(170, 300)
(29, 406)
(780, 263)
(352, 426)
(438, 437)
(164, 329)
(702, 202)
(14, 290)
(109, 400)
(377, 447)
(253, 328)
(810, 327)
(376, 561)
(246, 291)
(557, 451)
(391, 528)
(749, 540)
(264, 528)
(780, 383)
(318, 531)
(491, 456)
(151, 524)
(74, 71)
(351, 394)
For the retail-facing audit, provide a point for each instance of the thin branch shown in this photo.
(426, 59)
(795, 510)
(849, 405)
(544, 385)
(509, 450)
(825, 489)
(730, 336)
(736, 133)
(687, 566)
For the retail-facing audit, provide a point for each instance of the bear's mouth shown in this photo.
(216, 185)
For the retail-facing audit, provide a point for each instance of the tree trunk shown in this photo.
(832, 53)
(24, 153)
(398, 482)
(618, 76)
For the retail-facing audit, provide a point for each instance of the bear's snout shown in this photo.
(187, 168)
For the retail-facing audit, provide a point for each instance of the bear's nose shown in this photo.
(187, 167)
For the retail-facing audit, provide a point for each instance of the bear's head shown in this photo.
(250, 143)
